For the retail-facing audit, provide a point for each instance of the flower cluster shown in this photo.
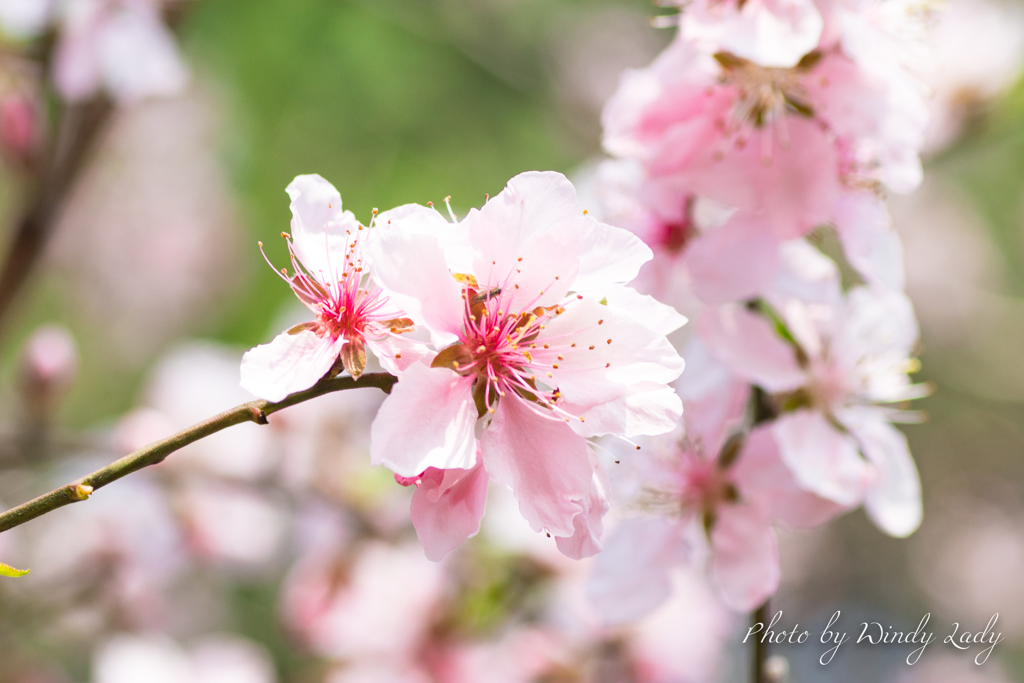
(527, 343)
(763, 138)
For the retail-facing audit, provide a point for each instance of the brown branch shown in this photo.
(56, 167)
(154, 453)
(759, 652)
(80, 127)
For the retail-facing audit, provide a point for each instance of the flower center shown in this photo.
(766, 94)
(502, 352)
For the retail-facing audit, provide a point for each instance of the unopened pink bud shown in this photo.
(49, 362)
(18, 125)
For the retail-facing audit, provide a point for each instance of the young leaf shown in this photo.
(8, 570)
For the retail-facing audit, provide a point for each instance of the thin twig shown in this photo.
(759, 655)
(154, 453)
(79, 130)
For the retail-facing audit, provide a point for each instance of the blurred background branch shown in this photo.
(153, 454)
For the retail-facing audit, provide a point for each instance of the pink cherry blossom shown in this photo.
(543, 347)
(708, 490)
(835, 380)
(122, 46)
(781, 140)
(330, 279)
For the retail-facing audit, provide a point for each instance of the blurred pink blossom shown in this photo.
(19, 125)
(122, 46)
(157, 659)
(846, 362)
(49, 364)
(978, 48)
(780, 128)
(124, 547)
(707, 490)
(375, 607)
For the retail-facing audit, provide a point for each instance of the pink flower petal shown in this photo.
(773, 33)
(543, 462)
(612, 351)
(869, 241)
(647, 310)
(529, 234)
(320, 228)
(646, 408)
(447, 507)
(407, 261)
(427, 421)
(748, 345)
(763, 479)
(632, 575)
(588, 525)
(823, 460)
(745, 556)
(734, 261)
(713, 416)
(894, 500)
(290, 363)
(608, 256)
(396, 353)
